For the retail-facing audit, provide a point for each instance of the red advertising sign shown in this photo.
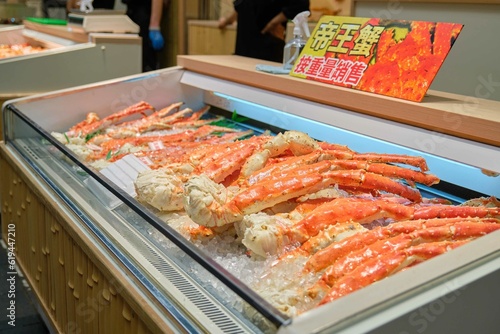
(391, 57)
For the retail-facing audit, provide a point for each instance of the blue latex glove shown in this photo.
(156, 38)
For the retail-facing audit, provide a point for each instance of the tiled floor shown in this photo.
(27, 319)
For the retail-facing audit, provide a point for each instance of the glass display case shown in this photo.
(201, 290)
(63, 55)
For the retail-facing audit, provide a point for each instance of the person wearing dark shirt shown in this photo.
(260, 30)
(103, 4)
(147, 15)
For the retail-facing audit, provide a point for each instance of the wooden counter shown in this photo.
(461, 116)
(63, 31)
(80, 288)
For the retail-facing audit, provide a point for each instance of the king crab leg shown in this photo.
(331, 253)
(455, 231)
(209, 210)
(381, 267)
(114, 146)
(82, 129)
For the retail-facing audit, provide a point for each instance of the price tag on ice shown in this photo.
(156, 145)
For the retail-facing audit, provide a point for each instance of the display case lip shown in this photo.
(228, 279)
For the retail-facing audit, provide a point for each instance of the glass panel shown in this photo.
(179, 275)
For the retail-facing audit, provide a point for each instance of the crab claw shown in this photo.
(161, 188)
(264, 234)
(205, 201)
(298, 143)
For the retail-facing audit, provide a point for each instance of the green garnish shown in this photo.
(66, 136)
(112, 154)
(235, 117)
(91, 135)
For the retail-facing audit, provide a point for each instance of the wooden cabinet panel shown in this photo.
(205, 38)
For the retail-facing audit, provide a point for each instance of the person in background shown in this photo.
(97, 4)
(260, 32)
(147, 15)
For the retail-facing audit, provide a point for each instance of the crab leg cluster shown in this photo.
(93, 123)
(367, 262)
(311, 169)
(144, 131)
(342, 219)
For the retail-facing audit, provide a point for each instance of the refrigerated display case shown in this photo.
(89, 261)
(69, 58)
